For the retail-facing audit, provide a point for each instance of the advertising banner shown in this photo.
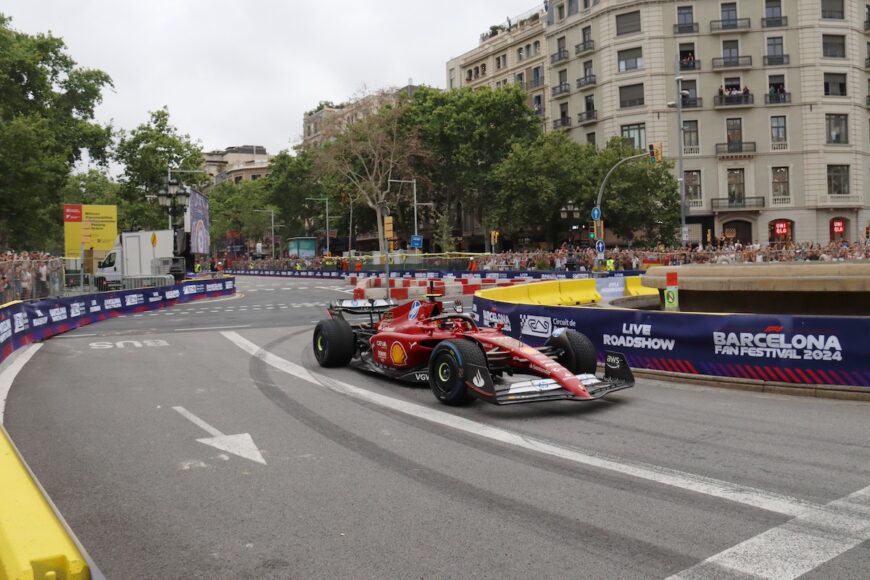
(27, 322)
(198, 224)
(816, 350)
(94, 226)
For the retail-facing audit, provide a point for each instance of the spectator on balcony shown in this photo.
(745, 92)
(721, 91)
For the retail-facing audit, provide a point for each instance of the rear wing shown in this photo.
(374, 309)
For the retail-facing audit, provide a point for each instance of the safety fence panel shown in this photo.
(810, 350)
(22, 323)
(500, 274)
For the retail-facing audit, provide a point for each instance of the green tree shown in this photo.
(469, 132)
(640, 199)
(47, 109)
(536, 180)
(147, 154)
(290, 181)
(240, 208)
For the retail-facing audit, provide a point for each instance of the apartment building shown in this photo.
(774, 98)
(236, 164)
(327, 119)
(511, 52)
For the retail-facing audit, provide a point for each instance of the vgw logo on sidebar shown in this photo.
(536, 325)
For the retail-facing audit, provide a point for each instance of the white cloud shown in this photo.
(236, 73)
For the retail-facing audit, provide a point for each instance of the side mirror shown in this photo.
(457, 306)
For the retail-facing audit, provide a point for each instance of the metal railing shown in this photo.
(692, 102)
(686, 28)
(631, 103)
(587, 117)
(833, 14)
(774, 21)
(736, 147)
(737, 202)
(559, 56)
(562, 123)
(775, 59)
(561, 89)
(694, 64)
(777, 98)
(730, 24)
(534, 83)
(740, 100)
(587, 81)
(584, 47)
(732, 62)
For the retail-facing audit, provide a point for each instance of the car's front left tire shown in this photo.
(447, 369)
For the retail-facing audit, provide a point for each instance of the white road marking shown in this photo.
(241, 444)
(754, 497)
(210, 328)
(7, 377)
(796, 547)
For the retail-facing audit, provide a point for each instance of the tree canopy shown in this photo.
(47, 109)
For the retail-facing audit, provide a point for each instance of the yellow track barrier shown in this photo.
(553, 293)
(633, 287)
(33, 541)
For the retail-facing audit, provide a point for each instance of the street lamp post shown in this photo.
(569, 211)
(324, 199)
(174, 198)
(413, 182)
(272, 214)
(680, 175)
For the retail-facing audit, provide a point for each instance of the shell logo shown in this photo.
(398, 354)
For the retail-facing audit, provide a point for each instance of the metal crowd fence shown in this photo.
(36, 279)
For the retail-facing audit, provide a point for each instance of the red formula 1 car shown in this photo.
(420, 342)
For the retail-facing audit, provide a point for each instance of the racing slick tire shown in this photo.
(447, 370)
(578, 352)
(334, 343)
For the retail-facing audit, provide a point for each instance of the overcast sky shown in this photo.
(244, 72)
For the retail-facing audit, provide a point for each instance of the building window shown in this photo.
(838, 180)
(237, 179)
(777, 130)
(520, 54)
(833, 46)
(560, 12)
(519, 78)
(773, 8)
(628, 23)
(833, 9)
(690, 134)
(837, 129)
(590, 138)
(736, 187)
(636, 134)
(631, 59)
(537, 47)
(729, 12)
(730, 53)
(587, 34)
(692, 181)
(685, 17)
(780, 188)
(835, 84)
(631, 96)
(775, 47)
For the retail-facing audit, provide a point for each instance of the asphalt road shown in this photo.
(356, 477)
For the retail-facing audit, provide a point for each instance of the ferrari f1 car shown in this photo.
(422, 343)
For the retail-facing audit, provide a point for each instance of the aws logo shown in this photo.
(398, 354)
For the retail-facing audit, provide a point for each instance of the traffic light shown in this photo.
(652, 153)
(599, 230)
(493, 237)
(388, 227)
(658, 152)
(591, 230)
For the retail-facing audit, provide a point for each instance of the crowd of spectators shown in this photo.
(29, 276)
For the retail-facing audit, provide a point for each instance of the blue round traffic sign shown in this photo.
(596, 213)
(599, 246)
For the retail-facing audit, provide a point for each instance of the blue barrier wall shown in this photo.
(813, 350)
(23, 323)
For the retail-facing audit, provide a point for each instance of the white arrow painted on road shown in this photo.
(242, 444)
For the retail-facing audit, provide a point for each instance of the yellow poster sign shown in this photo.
(95, 226)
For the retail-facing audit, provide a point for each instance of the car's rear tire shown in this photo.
(334, 343)
(578, 353)
(447, 368)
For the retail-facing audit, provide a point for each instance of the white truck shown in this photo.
(135, 257)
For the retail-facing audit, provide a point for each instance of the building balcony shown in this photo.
(584, 47)
(534, 84)
(780, 200)
(833, 14)
(540, 110)
(562, 123)
(686, 28)
(692, 102)
(628, 103)
(774, 22)
(779, 146)
(559, 56)
(867, 102)
(856, 200)
(740, 100)
(741, 148)
(561, 90)
(731, 25)
(691, 150)
(777, 98)
(695, 203)
(867, 25)
(776, 60)
(689, 66)
(867, 62)
(737, 203)
(733, 62)
(587, 117)
(586, 82)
